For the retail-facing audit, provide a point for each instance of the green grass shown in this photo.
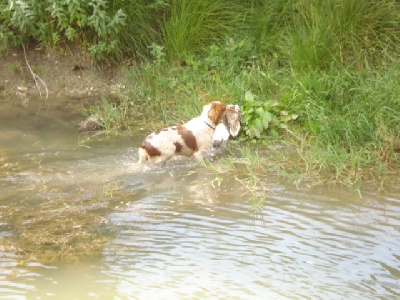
(114, 116)
(347, 130)
(192, 25)
(143, 24)
(303, 33)
(347, 32)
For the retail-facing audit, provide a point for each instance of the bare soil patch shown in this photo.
(67, 74)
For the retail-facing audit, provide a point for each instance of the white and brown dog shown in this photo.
(193, 139)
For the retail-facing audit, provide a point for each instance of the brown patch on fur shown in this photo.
(216, 112)
(178, 147)
(231, 108)
(188, 137)
(151, 151)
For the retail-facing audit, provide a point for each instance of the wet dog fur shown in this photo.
(192, 139)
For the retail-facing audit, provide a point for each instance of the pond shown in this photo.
(80, 220)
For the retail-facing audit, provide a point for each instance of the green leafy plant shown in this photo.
(158, 53)
(50, 21)
(260, 117)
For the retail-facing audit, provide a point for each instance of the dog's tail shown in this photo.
(143, 155)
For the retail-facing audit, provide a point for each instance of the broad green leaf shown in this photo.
(254, 132)
(258, 124)
(268, 116)
(265, 123)
(285, 119)
(275, 121)
(274, 132)
(249, 96)
(260, 111)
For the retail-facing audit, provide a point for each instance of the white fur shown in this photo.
(220, 138)
(230, 126)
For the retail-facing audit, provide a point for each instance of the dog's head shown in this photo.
(232, 119)
(214, 111)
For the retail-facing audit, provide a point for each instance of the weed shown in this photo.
(259, 116)
(49, 21)
(158, 53)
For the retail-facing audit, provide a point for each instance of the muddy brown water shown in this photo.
(80, 220)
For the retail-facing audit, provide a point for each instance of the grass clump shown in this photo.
(110, 115)
(353, 32)
(192, 25)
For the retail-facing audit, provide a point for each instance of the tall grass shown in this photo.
(142, 28)
(348, 32)
(346, 117)
(302, 33)
(194, 24)
(266, 21)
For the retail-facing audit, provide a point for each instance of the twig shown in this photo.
(35, 76)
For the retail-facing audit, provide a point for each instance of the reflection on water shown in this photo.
(84, 222)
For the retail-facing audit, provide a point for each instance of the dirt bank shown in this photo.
(70, 73)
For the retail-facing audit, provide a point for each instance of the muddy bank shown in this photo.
(65, 74)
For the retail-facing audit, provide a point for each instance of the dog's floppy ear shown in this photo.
(239, 112)
(233, 112)
(216, 112)
(233, 119)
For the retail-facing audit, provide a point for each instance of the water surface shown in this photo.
(83, 221)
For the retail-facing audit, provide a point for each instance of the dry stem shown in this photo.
(35, 76)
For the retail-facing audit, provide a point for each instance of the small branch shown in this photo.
(35, 76)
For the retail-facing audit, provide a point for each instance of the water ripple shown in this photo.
(176, 236)
(301, 246)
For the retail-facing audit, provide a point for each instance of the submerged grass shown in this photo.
(55, 231)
